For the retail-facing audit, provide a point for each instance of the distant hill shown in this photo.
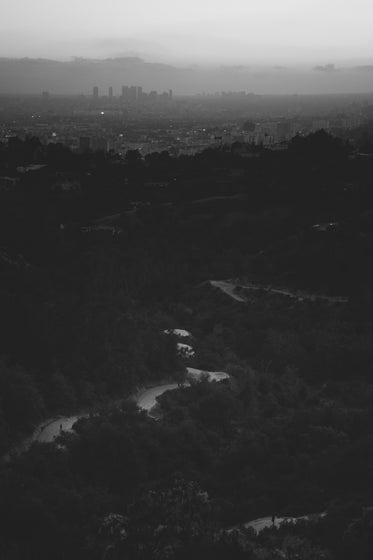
(79, 75)
(27, 75)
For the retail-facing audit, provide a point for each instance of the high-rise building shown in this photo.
(139, 93)
(132, 94)
(170, 94)
(95, 92)
(125, 93)
(110, 92)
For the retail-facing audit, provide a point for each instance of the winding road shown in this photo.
(182, 333)
(146, 400)
(197, 374)
(266, 522)
(229, 287)
(48, 431)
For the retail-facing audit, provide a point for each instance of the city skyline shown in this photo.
(79, 75)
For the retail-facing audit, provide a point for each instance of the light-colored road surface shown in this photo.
(196, 374)
(300, 296)
(47, 432)
(228, 288)
(266, 522)
(178, 332)
(147, 399)
(185, 350)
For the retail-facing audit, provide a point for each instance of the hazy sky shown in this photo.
(193, 31)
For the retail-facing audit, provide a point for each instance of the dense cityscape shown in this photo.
(153, 122)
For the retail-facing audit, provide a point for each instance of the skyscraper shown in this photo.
(95, 92)
(132, 94)
(125, 93)
(110, 92)
(139, 93)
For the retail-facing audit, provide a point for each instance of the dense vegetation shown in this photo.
(99, 256)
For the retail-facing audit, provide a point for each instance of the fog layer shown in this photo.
(80, 75)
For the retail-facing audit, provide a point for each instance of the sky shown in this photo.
(295, 32)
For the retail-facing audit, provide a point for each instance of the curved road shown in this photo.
(266, 522)
(196, 374)
(229, 288)
(182, 333)
(47, 432)
(146, 400)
